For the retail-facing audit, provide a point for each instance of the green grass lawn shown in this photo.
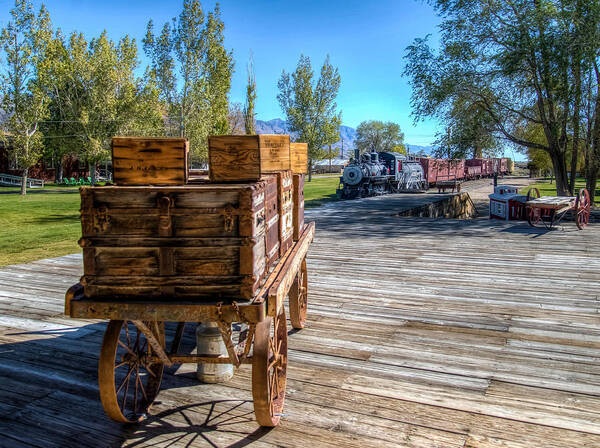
(320, 190)
(41, 224)
(549, 189)
(45, 222)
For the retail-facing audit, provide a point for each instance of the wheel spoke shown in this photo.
(125, 379)
(126, 347)
(126, 390)
(115, 381)
(141, 383)
(135, 392)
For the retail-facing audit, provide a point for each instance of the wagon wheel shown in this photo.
(269, 365)
(582, 207)
(533, 193)
(128, 382)
(299, 298)
(534, 214)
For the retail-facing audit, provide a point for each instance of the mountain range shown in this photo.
(347, 136)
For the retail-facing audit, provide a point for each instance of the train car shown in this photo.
(430, 169)
(502, 165)
(474, 168)
(375, 173)
(451, 169)
(472, 172)
(379, 173)
(486, 166)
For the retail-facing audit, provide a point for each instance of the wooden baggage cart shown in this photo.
(550, 210)
(134, 351)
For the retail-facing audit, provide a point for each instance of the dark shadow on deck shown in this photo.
(53, 380)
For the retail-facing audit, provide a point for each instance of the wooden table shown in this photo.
(134, 353)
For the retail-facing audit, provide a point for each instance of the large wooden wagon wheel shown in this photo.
(128, 380)
(299, 298)
(269, 365)
(534, 214)
(582, 208)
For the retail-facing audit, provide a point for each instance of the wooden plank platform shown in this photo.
(498, 348)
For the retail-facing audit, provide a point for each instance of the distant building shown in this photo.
(329, 165)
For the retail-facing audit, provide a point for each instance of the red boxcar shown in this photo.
(472, 172)
(440, 169)
(429, 169)
(451, 169)
(475, 166)
(502, 165)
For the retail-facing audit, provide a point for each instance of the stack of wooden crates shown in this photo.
(160, 233)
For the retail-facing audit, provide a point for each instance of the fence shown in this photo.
(9, 180)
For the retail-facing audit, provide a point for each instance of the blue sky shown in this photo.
(365, 40)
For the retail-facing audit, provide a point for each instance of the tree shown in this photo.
(378, 136)
(400, 149)
(197, 98)
(310, 108)
(514, 60)
(236, 119)
(467, 132)
(23, 95)
(96, 96)
(249, 114)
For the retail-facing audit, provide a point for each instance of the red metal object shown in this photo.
(551, 210)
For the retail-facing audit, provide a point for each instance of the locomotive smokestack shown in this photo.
(357, 154)
(374, 157)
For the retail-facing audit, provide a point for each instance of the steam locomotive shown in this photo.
(378, 173)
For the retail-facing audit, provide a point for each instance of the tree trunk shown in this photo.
(310, 169)
(591, 182)
(92, 168)
(24, 182)
(575, 129)
(560, 172)
(59, 172)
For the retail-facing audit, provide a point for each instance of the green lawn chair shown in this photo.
(72, 181)
(81, 181)
(88, 181)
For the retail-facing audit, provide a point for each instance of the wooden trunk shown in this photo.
(299, 155)
(285, 185)
(149, 161)
(202, 241)
(271, 219)
(235, 158)
(298, 201)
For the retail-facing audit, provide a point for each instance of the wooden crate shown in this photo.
(271, 219)
(298, 201)
(202, 241)
(234, 158)
(299, 155)
(149, 161)
(285, 185)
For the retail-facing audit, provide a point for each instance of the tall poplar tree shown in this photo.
(249, 114)
(310, 107)
(24, 97)
(192, 70)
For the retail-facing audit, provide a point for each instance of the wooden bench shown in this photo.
(447, 184)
